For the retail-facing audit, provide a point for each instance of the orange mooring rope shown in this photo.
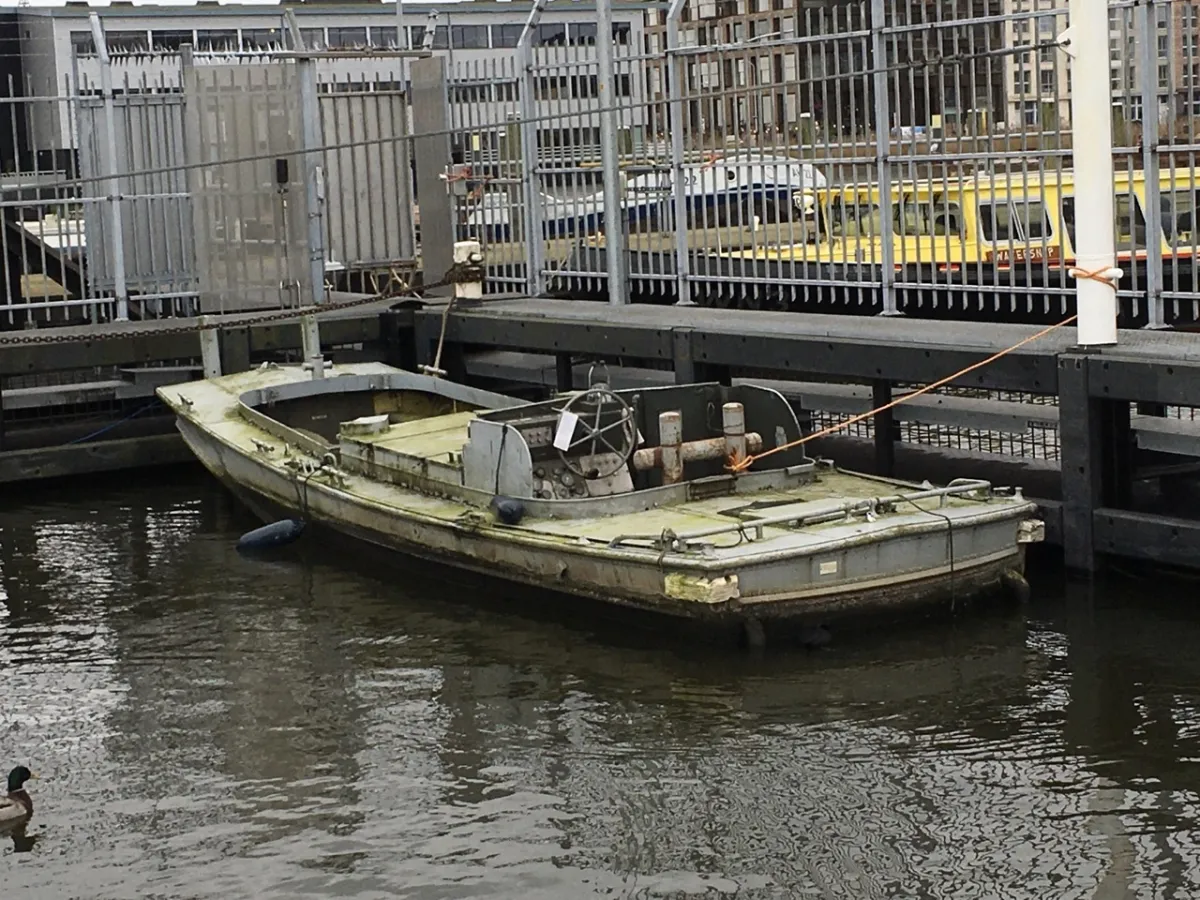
(741, 464)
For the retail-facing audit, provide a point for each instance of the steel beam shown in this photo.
(549, 335)
(1173, 382)
(1157, 539)
(1080, 447)
(870, 358)
(885, 428)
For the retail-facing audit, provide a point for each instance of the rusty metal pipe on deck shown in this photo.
(709, 448)
(673, 452)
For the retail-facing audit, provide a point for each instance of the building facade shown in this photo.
(478, 40)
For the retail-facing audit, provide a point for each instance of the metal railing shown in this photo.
(875, 156)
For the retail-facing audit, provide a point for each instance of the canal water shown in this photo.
(207, 726)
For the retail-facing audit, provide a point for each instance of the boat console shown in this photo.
(603, 443)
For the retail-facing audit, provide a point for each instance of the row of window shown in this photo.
(562, 87)
(458, 37)
(1014, 221)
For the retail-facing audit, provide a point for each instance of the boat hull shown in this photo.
(768, 589)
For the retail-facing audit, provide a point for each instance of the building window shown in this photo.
(82, 43)
(469, 37)
(314, 38)
(554, 35)
(127, 42)
(347, 38)
(506, 35)
(170, 41)
(621, 32)
(584, 34)
(210, 41)
(261, 38)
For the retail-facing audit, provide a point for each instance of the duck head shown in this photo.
(17, 778)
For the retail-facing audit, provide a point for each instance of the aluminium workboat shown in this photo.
(624, 497)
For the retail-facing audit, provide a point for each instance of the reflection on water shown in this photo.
(210, 726)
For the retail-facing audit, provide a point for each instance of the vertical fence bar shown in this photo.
(674, 73)
(1153, 210)
(535, 278)
(314, 175)
(117, 246)
(883, 164)
(614, 230)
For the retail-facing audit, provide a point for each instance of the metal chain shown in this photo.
(194, 326)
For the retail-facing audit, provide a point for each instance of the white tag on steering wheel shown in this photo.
(565, 430)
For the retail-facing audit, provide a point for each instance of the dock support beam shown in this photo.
(564, 372)
(1097, 458)
(885, 429)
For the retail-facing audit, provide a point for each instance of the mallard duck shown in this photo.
(16, 806)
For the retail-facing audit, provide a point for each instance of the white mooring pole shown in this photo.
(1086, 42)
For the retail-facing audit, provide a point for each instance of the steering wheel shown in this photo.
(619, 437)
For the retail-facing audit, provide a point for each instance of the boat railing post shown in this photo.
(733, 419)
(469, 254)
(310, 344)
(670, 439)
(1086, 40)
(210, 349)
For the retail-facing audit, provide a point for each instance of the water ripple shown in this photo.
(208, 726)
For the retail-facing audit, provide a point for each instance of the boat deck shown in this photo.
(428, 439)
(831, 489)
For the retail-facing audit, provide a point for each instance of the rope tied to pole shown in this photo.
(737, 463)
(1109, 275)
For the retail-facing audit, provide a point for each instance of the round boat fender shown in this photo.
(268, 537)
(1016, 585)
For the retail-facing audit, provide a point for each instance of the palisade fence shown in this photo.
(863, 157)
(872, 156)
(878, 156)
(189, 191)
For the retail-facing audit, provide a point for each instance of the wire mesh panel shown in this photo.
(368, 207)
(156, 219)
(489, 188)
(43, 235)
(251, 210)
(1159, 90)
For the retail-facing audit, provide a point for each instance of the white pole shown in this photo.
(1091, 133)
